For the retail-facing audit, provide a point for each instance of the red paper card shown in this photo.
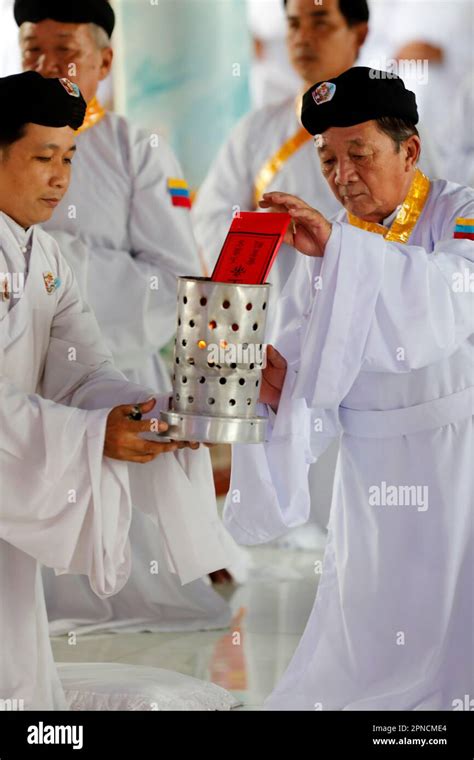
(250, 248)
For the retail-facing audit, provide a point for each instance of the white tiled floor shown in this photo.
(270, 612)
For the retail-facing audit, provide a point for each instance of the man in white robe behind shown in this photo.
(270, 150)
(376, 340)
(124, 221)
(64, 443)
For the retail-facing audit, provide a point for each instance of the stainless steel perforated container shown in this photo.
(218, 360)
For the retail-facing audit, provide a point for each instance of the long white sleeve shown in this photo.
(62, 502)
(384, 307)
(269, 490)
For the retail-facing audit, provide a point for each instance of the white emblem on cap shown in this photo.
(324, 93)
(71, 88)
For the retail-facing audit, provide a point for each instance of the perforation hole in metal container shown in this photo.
(191, 360)
(249, 401)
(190, 399)
(184, 342)
(185, 299)
(255, 326)
(242, 381)
(233, 365)
(203, 301)
(252, 365)
(225, 304)
(212, 324)
(192, 322)
(202, 380)
(211, 401)
(235, 327)
(249, 307)
(232, 401)
(177, 360)
(177, 397)
(264, 305)
(222, 381)
(184, 379)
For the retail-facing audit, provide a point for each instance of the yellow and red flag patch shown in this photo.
(179, 192)
(464, 228)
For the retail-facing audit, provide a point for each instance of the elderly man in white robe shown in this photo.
(124, 221)
(65, 445)
(376, 342)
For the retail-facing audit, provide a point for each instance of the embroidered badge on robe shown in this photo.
(51, 282)
(464, 228)
(179, 192)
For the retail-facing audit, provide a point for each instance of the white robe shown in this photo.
(117, 227)
(62, 504)
(383, 352)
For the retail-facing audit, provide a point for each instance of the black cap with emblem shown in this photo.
(30, 98)
(359, 94)
(68, 11)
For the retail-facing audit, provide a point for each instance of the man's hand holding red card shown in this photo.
(309, 231)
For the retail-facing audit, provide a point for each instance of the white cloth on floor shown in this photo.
(111, 686)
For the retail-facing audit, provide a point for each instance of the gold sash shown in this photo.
(408, 215)
(95, 113)
(275, 163)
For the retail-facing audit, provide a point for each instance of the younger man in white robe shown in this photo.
(64, 501)
(376, 341)
(125, 220)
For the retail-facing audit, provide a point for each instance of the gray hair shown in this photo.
(397, 129)
(100, 36)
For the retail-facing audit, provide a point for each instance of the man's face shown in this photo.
(35, 172)
(320, 43)
(364, 170)
(56, 49)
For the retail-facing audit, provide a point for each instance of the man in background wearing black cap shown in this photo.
(125, 228)
(270, 150)
(376, 339)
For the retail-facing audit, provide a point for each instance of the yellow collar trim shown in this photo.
(408, 215)
(95, 113)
